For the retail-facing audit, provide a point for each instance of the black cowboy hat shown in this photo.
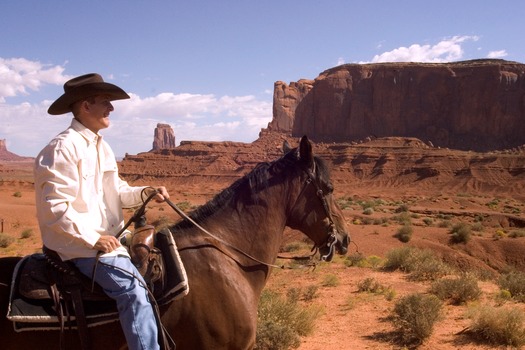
(82, 87)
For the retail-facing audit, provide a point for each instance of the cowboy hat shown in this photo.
(82, 87)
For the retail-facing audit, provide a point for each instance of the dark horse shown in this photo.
(220, 311)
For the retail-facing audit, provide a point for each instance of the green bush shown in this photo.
(281, 323)
(26, 233)
(461, 233)
(428, 221)
(310, 293)
(514, 282)
(457, 290)
(498, 326)
(330, 281)
(356, 259)
(368, 211)
(414, 316)
(404, 234)
(5, 240)
(420, 264)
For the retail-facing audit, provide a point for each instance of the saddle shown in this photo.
(48, 293)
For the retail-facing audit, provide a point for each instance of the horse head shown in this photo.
(315, 211)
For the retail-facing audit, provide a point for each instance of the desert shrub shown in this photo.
(478, 227)
(330, 280)
(293, 294)
(420, 264)
(356, 259)
(517, 233)
(404, 234)
(403, 208)
(403, 218)
(281, 323)
(414, 316)
(444, 224)
(461, 233)
(514, 282)
(368, 211)
(344, 203)
(498, 326)
(457, 290)
(185, 206)
(428, 221)
(369, 285)
(26, 233)
(310, 293)
(17, 194)
(294, 247)
(5, 240)
(374, 261)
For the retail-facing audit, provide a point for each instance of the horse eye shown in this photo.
(329, 188)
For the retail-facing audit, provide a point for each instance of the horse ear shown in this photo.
(286, 147)
(305, 151)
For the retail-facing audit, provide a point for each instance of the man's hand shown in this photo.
(162, 194)
(106, 244)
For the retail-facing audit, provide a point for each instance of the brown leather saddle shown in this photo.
(48, 293)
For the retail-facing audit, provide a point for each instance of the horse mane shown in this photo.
(251, 183)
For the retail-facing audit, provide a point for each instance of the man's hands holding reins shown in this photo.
(162, 194)
(107, 244)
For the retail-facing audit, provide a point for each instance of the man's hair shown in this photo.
(75, 107)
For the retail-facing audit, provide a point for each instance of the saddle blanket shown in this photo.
(29, 313)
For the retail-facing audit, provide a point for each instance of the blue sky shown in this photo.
(207, 68)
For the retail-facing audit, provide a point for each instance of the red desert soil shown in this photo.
(350, 320)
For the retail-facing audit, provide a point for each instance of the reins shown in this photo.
(330, 242)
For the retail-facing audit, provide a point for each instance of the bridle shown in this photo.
(331, 240)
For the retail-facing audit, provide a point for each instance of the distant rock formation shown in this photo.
(164, 137)
(5, 155)
(472, 105)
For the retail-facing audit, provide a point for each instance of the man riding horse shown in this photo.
(79, 198)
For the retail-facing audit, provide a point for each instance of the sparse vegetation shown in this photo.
(404, 234)
(460, 233)
(330, 280)
(281, 322)
(414, 317)
(5, 240)
(514, 283)
(457, 290)
(26, 234)
(17, 194)
(498, 326)
(421, 265)
(371, 285)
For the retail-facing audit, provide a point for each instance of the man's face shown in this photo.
(95, 113)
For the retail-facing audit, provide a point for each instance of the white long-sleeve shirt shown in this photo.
(79, 194)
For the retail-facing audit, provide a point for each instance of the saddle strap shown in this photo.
(80, 316)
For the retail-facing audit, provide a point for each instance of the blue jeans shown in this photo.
(135, 311)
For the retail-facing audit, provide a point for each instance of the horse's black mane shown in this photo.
(252, 182)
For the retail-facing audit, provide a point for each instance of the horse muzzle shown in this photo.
(335, 242)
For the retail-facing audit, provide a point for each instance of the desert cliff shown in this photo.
(472, 105)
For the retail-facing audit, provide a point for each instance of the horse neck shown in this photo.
(255, 226)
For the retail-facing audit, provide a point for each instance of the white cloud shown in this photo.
(27, 126)
(18, 75)
(447, 50)
(340, 61)
(497, 54)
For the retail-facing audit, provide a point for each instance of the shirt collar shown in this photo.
(89, 135)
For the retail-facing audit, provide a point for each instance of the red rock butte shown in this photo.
(471, 105)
